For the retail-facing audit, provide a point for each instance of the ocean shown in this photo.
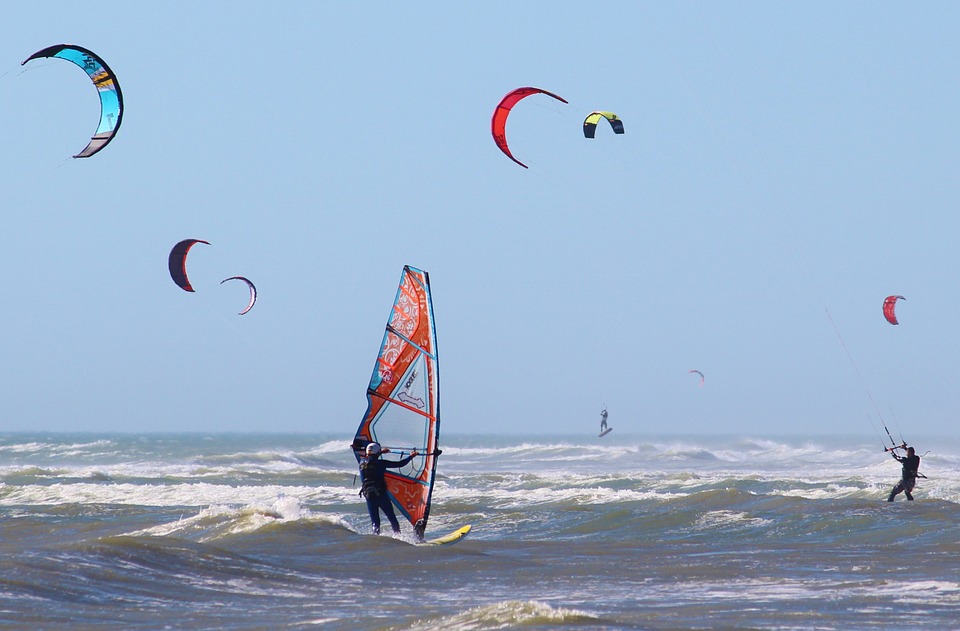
(262, 531)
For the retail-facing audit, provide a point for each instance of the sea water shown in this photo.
(195, 531)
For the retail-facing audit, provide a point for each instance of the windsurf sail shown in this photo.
(403, 399)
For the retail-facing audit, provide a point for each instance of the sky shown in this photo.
(785, 167)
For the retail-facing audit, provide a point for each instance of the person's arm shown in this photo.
(400, 463)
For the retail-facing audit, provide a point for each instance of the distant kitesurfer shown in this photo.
(603, 420)
(908, 478)
(373, 485)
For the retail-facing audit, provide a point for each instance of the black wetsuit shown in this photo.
(374, 489)
(908, 478)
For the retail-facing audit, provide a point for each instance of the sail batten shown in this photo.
(403, 403)
(410, 342)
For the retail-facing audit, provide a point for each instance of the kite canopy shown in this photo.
(498, 124)
(889, 308)
(111, 99)
(590, 123)
(178, 262)
(253, 291)
(699, 373)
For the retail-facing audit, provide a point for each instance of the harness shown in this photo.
(370, 488)
(911, 466)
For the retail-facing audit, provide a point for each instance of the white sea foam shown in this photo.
(171, 494)
(216, 521)
(727, 518)
(509, 614)
(893, 593)
(314, 622)
(338, 447)
(158, 470)
(58, 449)
(519, 496)
(25, 447)
(686, 527)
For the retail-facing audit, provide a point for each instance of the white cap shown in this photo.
(373, 449)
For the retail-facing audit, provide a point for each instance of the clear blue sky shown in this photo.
(779, 161)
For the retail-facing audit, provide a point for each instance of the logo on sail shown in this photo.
(414, 401)
(406, 397)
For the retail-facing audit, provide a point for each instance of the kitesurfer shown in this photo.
(908, 478)
(374, 485)
(603, 420)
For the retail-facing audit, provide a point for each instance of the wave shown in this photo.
(153, 571)
(724, 512)
(695, 454)
(58, 449)
(510, 614)
(649, 532)
(326, 455)
(173, 494)
(219, 522)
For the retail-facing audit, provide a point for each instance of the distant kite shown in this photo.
(498, 124)
(178, 262)
(699, 373)
(889, 307)
(253, 291)
(590, 123)
(111, 99)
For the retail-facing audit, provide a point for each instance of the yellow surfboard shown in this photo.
(453, 537)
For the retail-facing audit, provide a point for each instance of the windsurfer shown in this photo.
(908, 478)
(374, 485)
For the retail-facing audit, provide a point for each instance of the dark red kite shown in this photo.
(889, 304)
(498, 125)
(178, 262)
